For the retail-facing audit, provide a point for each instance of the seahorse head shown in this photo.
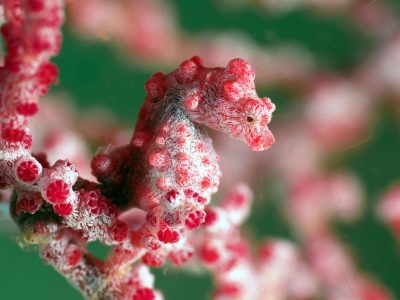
(226, 100)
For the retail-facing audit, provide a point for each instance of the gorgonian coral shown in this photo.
(149, 194)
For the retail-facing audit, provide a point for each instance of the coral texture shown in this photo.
(149, 194)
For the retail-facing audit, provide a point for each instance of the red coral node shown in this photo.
(180, 257)
(73, 255)
(209, 254)
(168, 235)
(57, 191)
(28, 170)
(13, 135)
(144, 294)
(119, 231)
(172, 196)
(63, 209)
(29, 203)
(39, 43)
(47, 73)
(27, 109)
(153, 259)
(195, 219)
(228, 289)
(211, 216)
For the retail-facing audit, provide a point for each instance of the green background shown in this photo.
(95, 73)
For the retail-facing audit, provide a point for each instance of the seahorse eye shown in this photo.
(250, 119)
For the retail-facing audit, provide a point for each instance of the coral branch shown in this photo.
(150, 193)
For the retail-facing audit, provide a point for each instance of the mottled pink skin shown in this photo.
(170, 169)
(179, 155)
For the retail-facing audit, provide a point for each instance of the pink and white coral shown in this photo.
(150, 198)
(169, 170)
